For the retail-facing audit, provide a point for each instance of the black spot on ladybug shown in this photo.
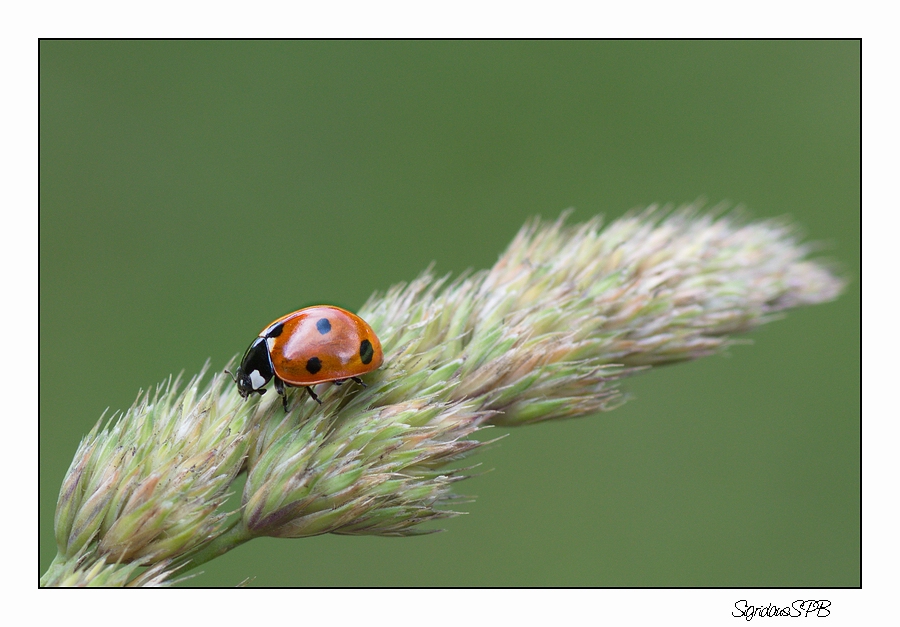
(313, 365)
(276, 330)
(323, 326)
(366, 352)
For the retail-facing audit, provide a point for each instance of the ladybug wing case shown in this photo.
(323, 344)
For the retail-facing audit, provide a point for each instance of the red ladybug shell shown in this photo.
(322, 343)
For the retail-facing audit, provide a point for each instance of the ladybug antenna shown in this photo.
(233, 377)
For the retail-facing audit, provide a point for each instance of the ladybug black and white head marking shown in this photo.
(256, 369)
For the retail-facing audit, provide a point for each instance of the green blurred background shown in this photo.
(193, 191)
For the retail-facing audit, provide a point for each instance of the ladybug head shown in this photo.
(244, 385)
(255, 370)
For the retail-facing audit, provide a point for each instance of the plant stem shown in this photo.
(51, 573)
(230, 539)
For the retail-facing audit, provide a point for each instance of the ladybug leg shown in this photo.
(339, 382)
(360, 381)
(279, 387)
(313, 394)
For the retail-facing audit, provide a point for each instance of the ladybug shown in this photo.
(312, 345)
